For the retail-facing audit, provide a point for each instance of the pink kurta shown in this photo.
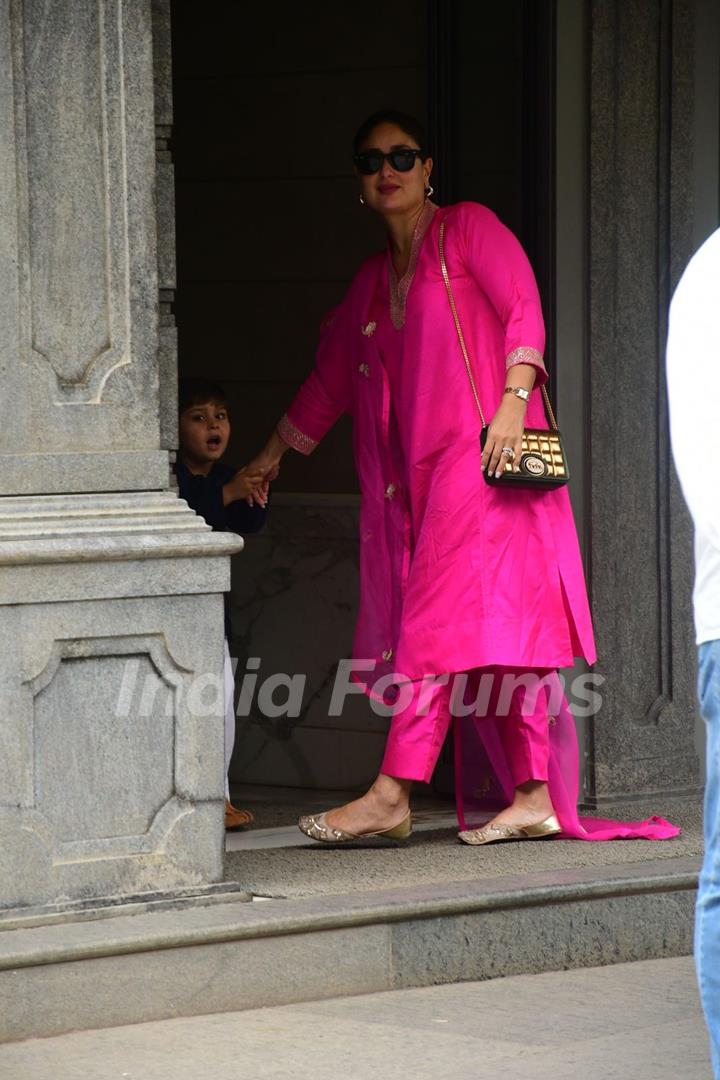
(455, 574)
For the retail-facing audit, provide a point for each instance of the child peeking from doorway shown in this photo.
(223, 496)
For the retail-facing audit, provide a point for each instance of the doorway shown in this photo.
(269, 234)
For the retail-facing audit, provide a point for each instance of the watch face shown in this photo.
(534, 465)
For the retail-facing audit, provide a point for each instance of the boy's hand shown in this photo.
(260, 497)
(268, 468)
(267, 464)
(247, 485)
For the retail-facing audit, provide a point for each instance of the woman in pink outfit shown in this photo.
(457, 576)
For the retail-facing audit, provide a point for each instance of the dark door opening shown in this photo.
(269, 234)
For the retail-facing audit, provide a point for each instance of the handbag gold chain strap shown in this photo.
(461, 338)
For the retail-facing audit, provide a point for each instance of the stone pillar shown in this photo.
(111, 775)
(640, 554)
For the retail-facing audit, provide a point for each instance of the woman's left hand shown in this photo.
(505, 430)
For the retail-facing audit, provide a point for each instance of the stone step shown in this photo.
(229, 956)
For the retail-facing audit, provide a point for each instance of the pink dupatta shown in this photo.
(483, 781)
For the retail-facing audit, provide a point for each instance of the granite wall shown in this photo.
(642, 100)
(111, 777)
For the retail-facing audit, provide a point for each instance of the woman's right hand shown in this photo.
(268, 470)
(267, 463)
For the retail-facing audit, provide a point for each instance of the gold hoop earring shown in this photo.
(429, 191)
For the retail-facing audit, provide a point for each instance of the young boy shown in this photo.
(230, 500)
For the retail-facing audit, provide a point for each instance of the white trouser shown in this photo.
(229, 680)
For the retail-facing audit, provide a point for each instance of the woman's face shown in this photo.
(389, 191)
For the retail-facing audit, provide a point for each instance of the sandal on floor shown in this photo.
(236, 819)
(315, 826)
(492, 834)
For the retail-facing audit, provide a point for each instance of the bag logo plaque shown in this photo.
(534, 464)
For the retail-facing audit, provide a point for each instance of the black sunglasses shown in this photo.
(370, 162)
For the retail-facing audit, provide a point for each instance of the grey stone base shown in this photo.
(607, 803)
(111, 622)
(240, 956)
(90, 910)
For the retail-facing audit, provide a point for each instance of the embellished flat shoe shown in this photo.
(315, 826)
(492, 834)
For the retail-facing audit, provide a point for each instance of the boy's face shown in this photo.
(204, 434)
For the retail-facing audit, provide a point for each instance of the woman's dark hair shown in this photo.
(193, 392)
(409, 125)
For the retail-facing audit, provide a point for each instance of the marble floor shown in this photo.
(277, 810)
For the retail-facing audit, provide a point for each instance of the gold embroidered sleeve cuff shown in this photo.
(294, 437)
(525, 355)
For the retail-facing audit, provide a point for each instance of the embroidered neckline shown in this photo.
(399, 288)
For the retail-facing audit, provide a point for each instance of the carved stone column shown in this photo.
(640, 237)
(111, 775)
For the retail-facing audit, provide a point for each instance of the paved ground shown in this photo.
(275, 859)
(628, 1022)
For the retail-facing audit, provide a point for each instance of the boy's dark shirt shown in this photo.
(204, 494)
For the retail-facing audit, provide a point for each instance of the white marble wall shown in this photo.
(294, 603)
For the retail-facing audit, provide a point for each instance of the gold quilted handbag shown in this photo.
(543, 463)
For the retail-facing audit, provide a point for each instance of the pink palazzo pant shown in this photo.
(418, 730)
(506, 734)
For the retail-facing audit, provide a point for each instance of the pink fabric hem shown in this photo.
(294, 437)
(392, 766)
(485, 776)
(479, 754)
(527, 355)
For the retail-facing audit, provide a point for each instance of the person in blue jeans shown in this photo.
(693, 374)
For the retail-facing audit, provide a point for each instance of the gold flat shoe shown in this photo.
(316, 827)
(492, 834)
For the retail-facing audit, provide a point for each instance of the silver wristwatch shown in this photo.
(518, 391)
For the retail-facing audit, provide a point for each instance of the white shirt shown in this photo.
(693, 375)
